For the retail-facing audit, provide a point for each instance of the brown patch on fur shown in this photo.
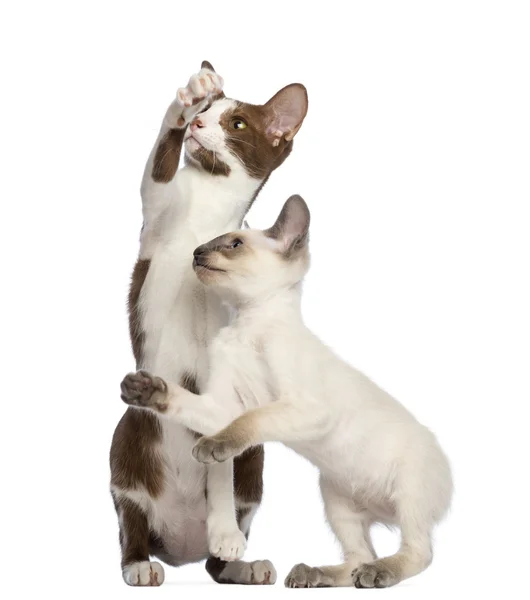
(251, 145)
(134, 532)
(135, 329)
(167, 156)
(134, 462)
(209, 161)
(248, 475)
(241, 513)
(215, 566)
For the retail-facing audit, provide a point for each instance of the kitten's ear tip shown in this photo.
(297, 201)
(207, 65)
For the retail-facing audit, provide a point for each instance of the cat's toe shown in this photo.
(203, 451)
(142, 389)
(227, 545)
(303, 576)
(374, 575)
(143, 573)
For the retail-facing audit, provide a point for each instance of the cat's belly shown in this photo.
(177, 516)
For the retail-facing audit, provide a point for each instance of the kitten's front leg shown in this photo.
(280, 421)
(200, 413)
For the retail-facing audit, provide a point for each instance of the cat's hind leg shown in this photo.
(351, 525)
(137, 569)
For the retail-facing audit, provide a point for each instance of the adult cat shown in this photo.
(159, 491)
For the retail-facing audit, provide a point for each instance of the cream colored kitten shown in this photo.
(377, 463)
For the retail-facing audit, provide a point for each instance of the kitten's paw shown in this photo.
(210, 450)
(258, 572)
(374, 575)
(145, 390)
(227, 545)
(143, 573)
(303, 576)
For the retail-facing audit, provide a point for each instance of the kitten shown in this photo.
(159, 491)
(377, 463)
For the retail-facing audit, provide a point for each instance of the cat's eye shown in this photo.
(237, 242)
(238, 124)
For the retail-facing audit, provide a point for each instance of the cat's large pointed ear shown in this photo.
(291, 229)
(287, 110)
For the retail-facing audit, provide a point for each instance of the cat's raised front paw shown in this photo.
(212, 449)
(145, 390)
(202, 85)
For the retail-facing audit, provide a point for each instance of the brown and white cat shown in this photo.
(159, 491)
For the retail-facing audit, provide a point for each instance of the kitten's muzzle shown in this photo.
(202, 258)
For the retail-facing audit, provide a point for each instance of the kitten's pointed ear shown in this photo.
(287, 110)
(246, 225)
(207, 65)
(291, 229)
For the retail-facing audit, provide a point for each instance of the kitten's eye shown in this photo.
(237, 242)
(238, 124)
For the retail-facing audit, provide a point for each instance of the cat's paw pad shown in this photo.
(201, 85)
(143, 389)
(258, 572)
(227, 545)
(374, 575)
(210, 450)
(143, 573)
(303, 576)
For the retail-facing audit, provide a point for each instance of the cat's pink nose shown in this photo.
(196, 124)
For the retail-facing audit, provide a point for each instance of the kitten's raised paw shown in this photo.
(143, 573)
(145, 390)
(303, 576)
(227, 545)
(210, 450)
(374, 575)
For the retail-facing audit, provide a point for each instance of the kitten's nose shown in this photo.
(200, 250)
(196, 124)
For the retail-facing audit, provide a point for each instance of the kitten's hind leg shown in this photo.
(413, 557)
(414, 511)
(351, 526)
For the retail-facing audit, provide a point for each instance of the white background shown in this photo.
(414, 159)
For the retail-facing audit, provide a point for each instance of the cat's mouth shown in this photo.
(192, 138)
(200, 263)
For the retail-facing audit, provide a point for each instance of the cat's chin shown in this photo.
(192, 144)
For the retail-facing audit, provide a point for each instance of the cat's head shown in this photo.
(235, 136)
(251, 264)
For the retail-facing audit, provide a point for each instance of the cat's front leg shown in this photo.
(202, 89)
(225, 540)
